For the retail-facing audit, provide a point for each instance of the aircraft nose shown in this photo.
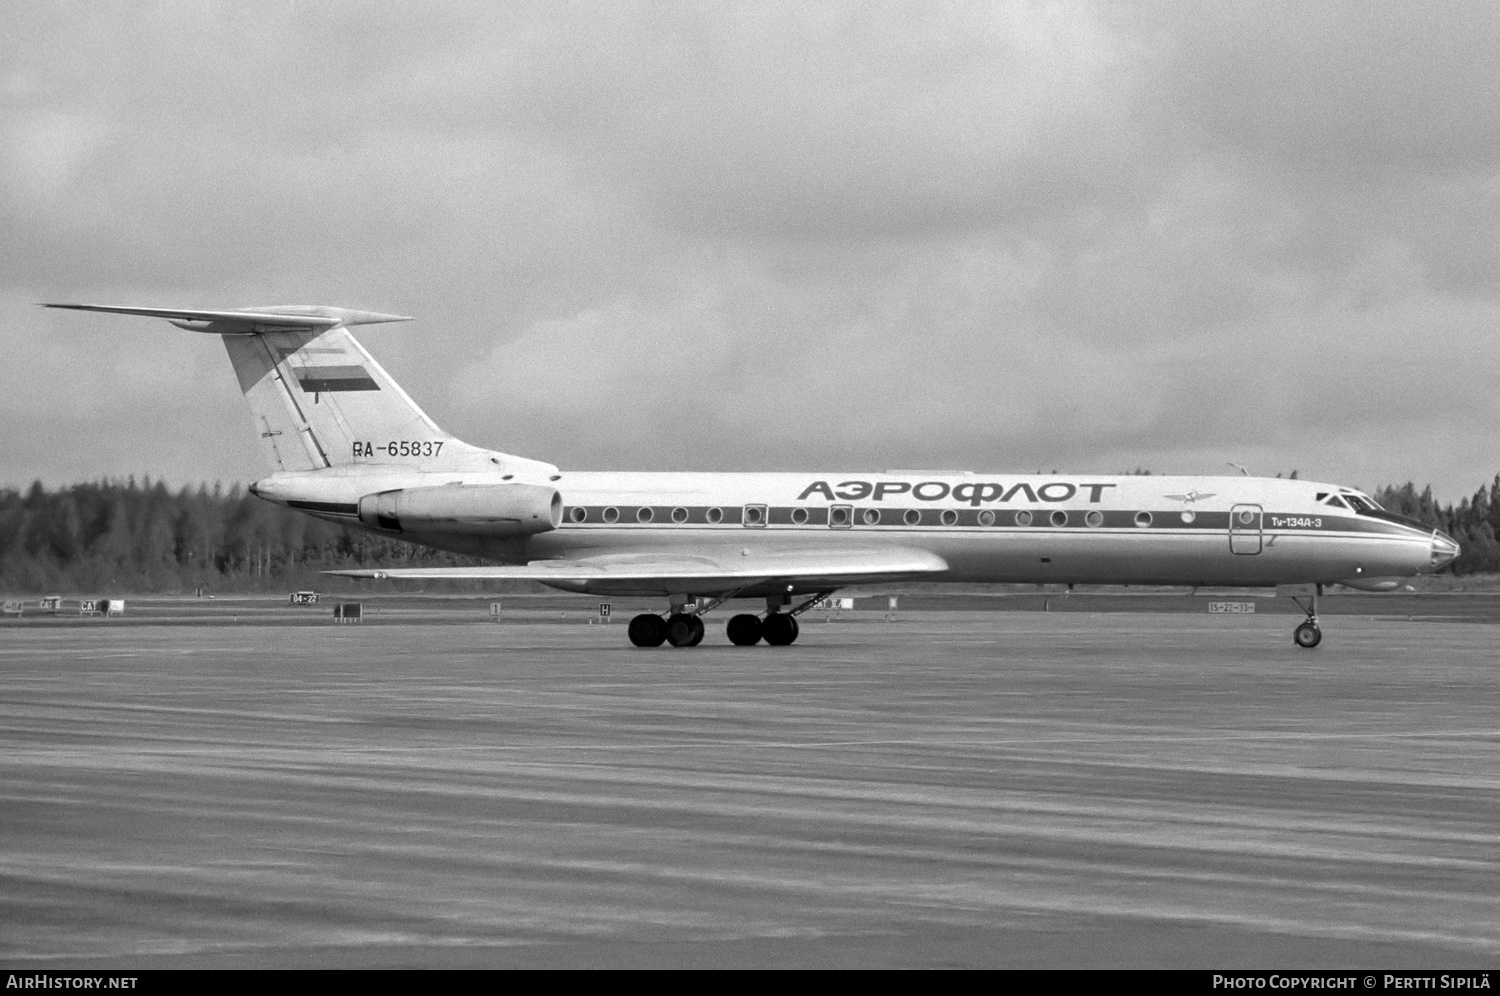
(1444, 550)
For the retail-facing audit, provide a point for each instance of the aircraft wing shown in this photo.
(696, 573)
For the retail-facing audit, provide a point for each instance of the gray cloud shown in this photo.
(1006, 236)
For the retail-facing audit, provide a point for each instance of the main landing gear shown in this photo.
(1308, 635)
(683, 626)
(680, 629)
(778, 629)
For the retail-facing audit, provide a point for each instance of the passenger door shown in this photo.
(1245, 529)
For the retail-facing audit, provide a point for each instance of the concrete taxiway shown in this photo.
(953, 788)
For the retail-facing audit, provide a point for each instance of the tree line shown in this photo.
(1473, 522)
(114, 537)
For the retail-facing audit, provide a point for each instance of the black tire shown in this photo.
(744, 630)
(697, 636)
(648, 630)
(1307, 636)
(680, 629)
(780, 629)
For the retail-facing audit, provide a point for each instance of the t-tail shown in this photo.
(319, 401)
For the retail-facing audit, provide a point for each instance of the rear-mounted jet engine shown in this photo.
(470, 510)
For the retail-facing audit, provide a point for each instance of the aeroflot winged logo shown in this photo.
(1190, 497)
(971, 492)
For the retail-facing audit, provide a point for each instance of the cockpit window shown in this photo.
(1365, 505)
(1336, 502)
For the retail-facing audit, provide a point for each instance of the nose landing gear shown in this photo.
(1308, 635)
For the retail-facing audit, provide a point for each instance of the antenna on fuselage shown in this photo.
(1237, 467)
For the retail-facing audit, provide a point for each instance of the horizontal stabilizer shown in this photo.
(246, 320)
(717, 571)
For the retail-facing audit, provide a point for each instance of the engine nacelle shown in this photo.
(1372, 584)
(471, 510)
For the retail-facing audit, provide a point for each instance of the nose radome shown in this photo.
(1444, 550)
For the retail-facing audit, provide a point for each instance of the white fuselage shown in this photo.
(1079, 529)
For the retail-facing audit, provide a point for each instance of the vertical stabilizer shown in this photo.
(319, 401)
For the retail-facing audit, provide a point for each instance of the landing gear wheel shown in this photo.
(648, 630)
(684, 630)
(744, 630)
(780, 629)
(1308, 635)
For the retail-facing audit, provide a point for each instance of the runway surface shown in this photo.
(986, 789)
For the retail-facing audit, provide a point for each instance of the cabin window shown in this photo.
(714, 515)
(799, 516)
(611, 514)
(912, 517)
(755, 516)
(1023, 518)
(1189, 516)
(644, 514)
(1059, 518)
(1143, 519)
(949, 517)
(840, 516)
(1094, 519)
(986, 518)
(871, 516)
(578, 514)
(679, 514)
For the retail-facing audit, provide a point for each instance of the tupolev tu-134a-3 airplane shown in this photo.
(349, 446)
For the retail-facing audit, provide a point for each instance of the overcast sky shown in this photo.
(1009, 236)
